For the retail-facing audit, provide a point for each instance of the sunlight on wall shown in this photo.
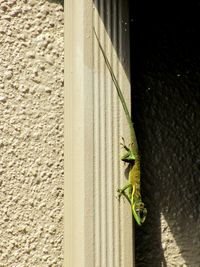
(171, 250)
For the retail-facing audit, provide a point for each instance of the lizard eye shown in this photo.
(142, 213)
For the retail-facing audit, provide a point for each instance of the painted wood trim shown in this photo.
(98, 228)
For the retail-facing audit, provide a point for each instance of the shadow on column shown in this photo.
(165, 75)
(152, 239)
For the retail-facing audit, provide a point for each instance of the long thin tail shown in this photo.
(119, 92)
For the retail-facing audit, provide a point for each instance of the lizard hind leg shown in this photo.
(126, 196)
(122, 191)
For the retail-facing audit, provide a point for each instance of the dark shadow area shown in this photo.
(57, 1)
(165, 58)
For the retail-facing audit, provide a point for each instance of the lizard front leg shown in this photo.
(129, 156)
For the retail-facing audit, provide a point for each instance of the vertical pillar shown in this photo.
(98, 228)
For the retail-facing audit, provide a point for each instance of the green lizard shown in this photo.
(131, 191)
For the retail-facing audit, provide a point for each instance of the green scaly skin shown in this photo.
(131, 191)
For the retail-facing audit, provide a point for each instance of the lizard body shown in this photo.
(131, 191)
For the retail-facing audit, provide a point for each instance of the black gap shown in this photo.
(165, 77)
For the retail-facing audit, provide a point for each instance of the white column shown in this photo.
(98, 228)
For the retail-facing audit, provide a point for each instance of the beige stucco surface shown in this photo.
(31, 133)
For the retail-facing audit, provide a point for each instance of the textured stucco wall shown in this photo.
(166, 97)
(31, 139)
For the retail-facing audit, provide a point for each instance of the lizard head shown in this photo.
(139, 212)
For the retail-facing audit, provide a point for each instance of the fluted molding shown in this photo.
(98, 228)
